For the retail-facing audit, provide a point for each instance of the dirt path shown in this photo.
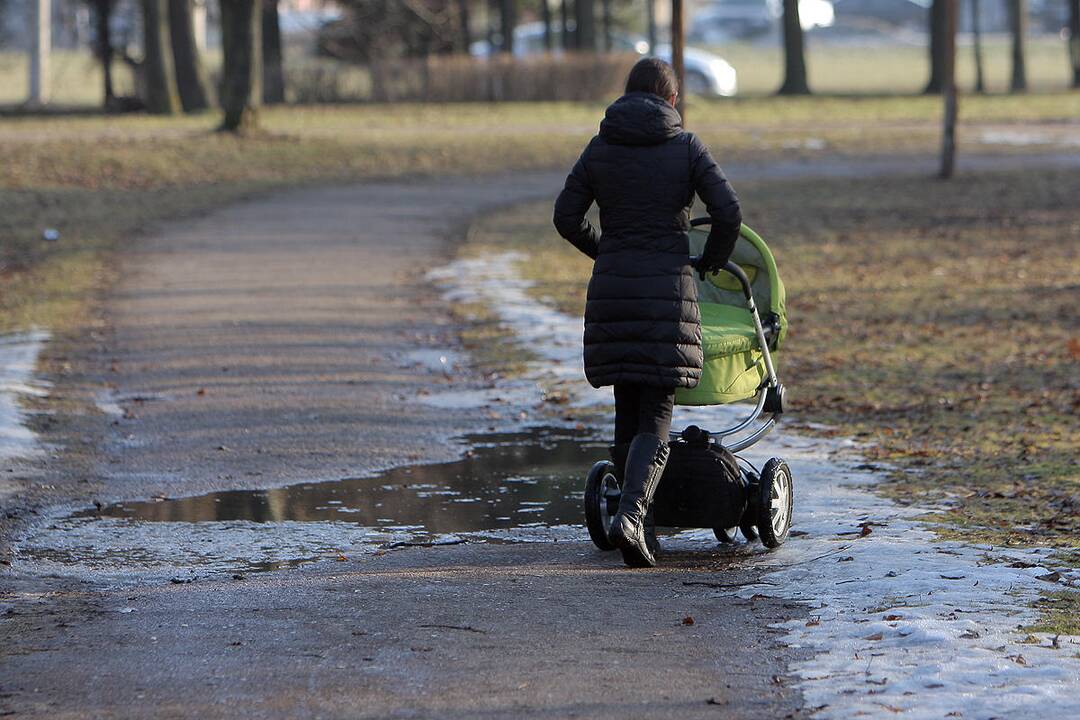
(263, 345)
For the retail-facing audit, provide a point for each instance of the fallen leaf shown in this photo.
(1052, 577)
(688, 620)
(813, 623)
(893, 618)
(875, 636)
(952, 577)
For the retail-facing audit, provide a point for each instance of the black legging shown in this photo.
(642, 409)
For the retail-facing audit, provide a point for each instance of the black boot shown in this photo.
(618, 452)
(644, 465)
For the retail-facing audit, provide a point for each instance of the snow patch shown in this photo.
(18, 357)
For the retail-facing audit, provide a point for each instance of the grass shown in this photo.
(935, 321)
(99, 180)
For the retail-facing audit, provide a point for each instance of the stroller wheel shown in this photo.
(749, 530)
(726, 535)
(774, 503)
(601, 502)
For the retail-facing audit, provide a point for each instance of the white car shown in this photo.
(706, 74)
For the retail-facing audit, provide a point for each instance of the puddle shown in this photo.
(519, 487)
(18, 356)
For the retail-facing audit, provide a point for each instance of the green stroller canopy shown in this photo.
(734, 369)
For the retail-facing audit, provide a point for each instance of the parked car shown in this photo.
(723, 20)
(706, 74)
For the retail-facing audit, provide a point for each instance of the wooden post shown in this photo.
(948, 142)
(678, 40)
(40, 45)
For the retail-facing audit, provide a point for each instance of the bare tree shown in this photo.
(564, 22)
(976, 30)
(609, 30)
(241, 41)
(1018, 27)
(507, 21)
(585, 21)
(948, 141)
(159, 92)
(794, 52)
(273, 70)
(1074, 40)
(650, 22)
(190, 77)
(937, 19)
(104, 48)
(463, 22)
(545, 16)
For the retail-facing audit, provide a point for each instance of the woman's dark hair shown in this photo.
(653, 75)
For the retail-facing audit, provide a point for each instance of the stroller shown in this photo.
(705, 485)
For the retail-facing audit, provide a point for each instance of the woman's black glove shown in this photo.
(704, 267)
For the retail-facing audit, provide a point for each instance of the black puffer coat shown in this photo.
(642, 323)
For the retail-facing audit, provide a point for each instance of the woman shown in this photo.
(642, 324)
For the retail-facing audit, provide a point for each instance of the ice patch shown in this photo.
(18, 357)
(433, 360)
(902, 623)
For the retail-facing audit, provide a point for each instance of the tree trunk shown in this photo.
(564, 21)
(103, 11)
(273, 71)
(976, 30)
(190, 79)
(545, 16)
(507, 21)
(948, 136)
(1074, 40)
(678, 45)
(161, 97)
(463, 24)
(585, 19)
(609, 30)
(794, 52)
(937, 48)
(650, 23)
(241, 41)
(1018, 26)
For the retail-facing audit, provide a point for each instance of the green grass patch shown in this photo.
(934, 320)
(1059, 613)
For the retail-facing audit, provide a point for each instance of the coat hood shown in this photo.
(640, 118)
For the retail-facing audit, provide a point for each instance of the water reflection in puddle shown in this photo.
(510, 480)
(511, 488)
